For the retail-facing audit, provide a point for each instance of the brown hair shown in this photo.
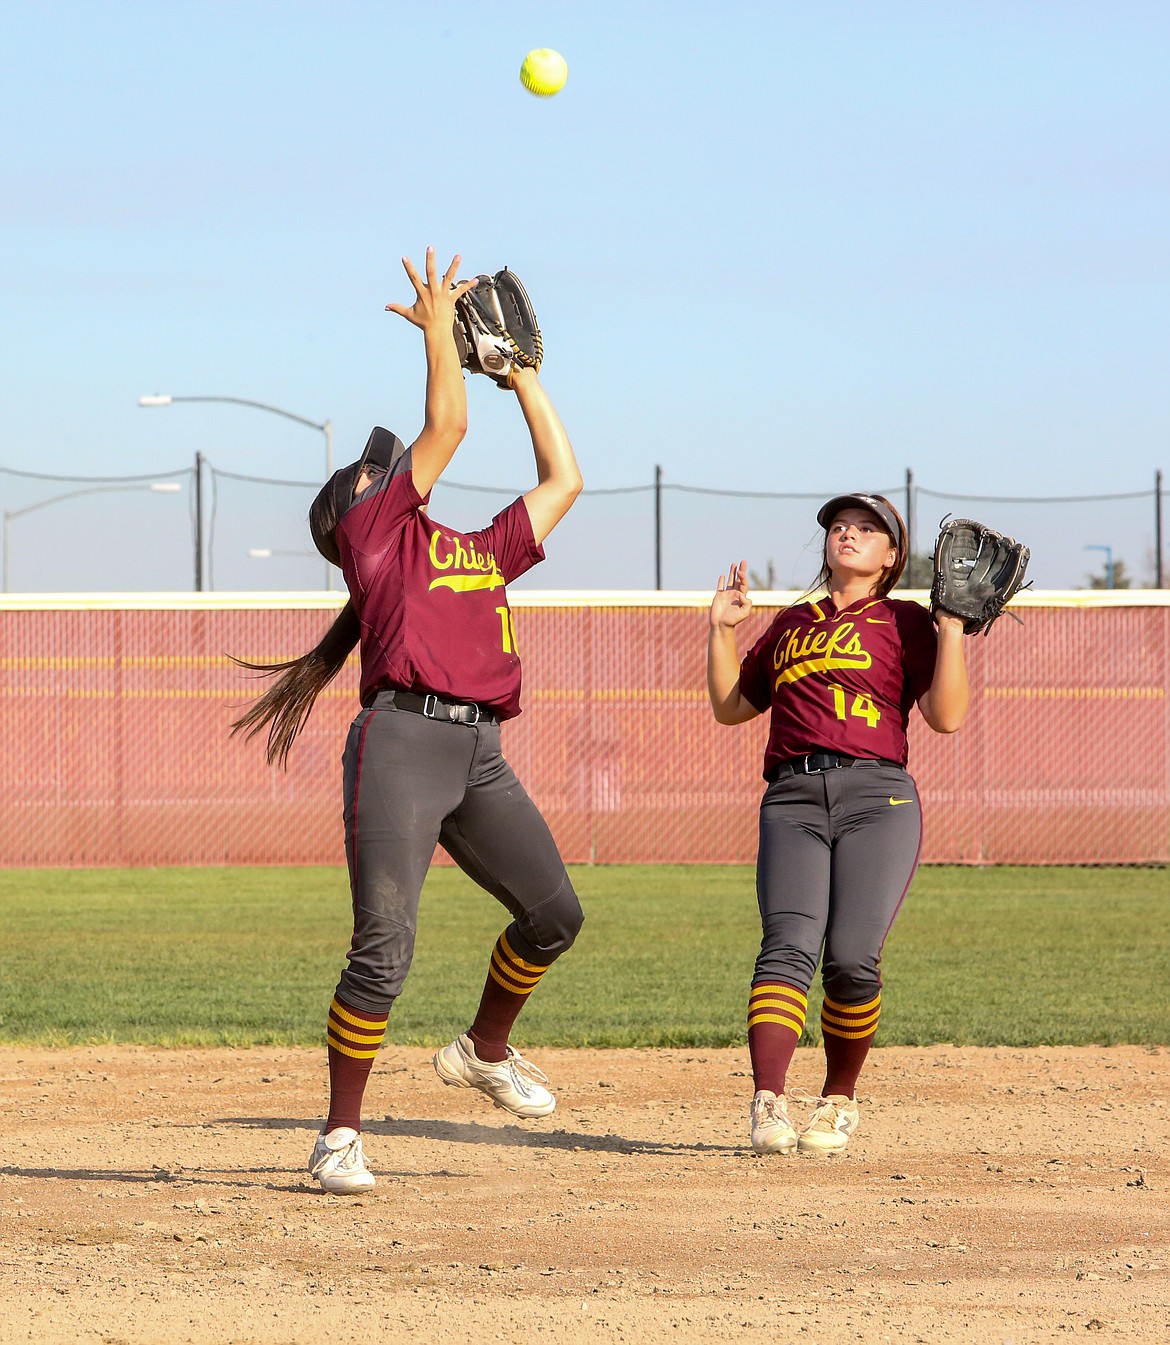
(889, 577)
(285, 707)
(287, 704)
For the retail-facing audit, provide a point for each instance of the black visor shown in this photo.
(382, 451)
(886, 516)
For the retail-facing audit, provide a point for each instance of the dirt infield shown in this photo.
(990, 1195)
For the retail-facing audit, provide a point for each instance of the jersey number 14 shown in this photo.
(861, 706)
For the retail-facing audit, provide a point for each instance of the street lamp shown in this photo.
(324, 426)
(158, 487)
(268, 552)
(1108, 562)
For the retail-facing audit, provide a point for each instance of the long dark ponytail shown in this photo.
(285, 707)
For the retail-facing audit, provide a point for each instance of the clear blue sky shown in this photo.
(774, 247)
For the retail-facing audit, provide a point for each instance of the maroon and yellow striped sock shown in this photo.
(354, 1037)
(848, 1030)
(510, 980)
(776, 1014)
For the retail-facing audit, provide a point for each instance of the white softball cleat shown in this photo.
(515, 1084)
(835, 1119)
(772, 1131)
(338, 1163)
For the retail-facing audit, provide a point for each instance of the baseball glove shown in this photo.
(976, 572)
(496, 330)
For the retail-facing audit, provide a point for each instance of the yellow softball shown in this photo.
(544, 72)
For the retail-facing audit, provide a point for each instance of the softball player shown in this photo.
(422, 764)
(840, 820)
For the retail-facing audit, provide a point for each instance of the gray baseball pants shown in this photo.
(837, 853)
(410, 782)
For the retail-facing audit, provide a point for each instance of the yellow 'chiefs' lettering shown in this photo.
(477, 569)
(818, 651)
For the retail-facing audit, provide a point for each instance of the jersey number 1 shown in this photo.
(863, 707)
(508, 629)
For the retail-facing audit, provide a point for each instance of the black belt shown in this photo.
(813, 763)
(435, 707)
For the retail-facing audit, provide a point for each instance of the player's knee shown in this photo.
(552, 926)
(789, 966)
(851, 982)
(366, 992)
(379, 958)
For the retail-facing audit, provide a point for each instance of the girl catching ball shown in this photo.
(422, 763)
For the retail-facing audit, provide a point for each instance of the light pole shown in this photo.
(324, 426)
(158, 487)
(1108, 562)
(268, 552)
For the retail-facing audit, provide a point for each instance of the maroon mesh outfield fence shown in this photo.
(115, 713)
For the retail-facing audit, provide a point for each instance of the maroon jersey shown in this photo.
(434, 613)
(841, 681)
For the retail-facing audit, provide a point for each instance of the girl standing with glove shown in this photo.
(422, 764)
(840, 820)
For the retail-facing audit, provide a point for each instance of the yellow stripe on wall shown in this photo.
(1074, 693)
(236, 696)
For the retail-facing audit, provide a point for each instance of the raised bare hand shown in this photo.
(731, 603)
(434, 305)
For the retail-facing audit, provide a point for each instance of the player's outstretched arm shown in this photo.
(557, 475)
(729, 607)
(944, 703)
(445, 416)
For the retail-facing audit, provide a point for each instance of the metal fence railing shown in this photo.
(231, 531)
(114, 715)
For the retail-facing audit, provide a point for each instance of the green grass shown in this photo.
(1002, 956)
